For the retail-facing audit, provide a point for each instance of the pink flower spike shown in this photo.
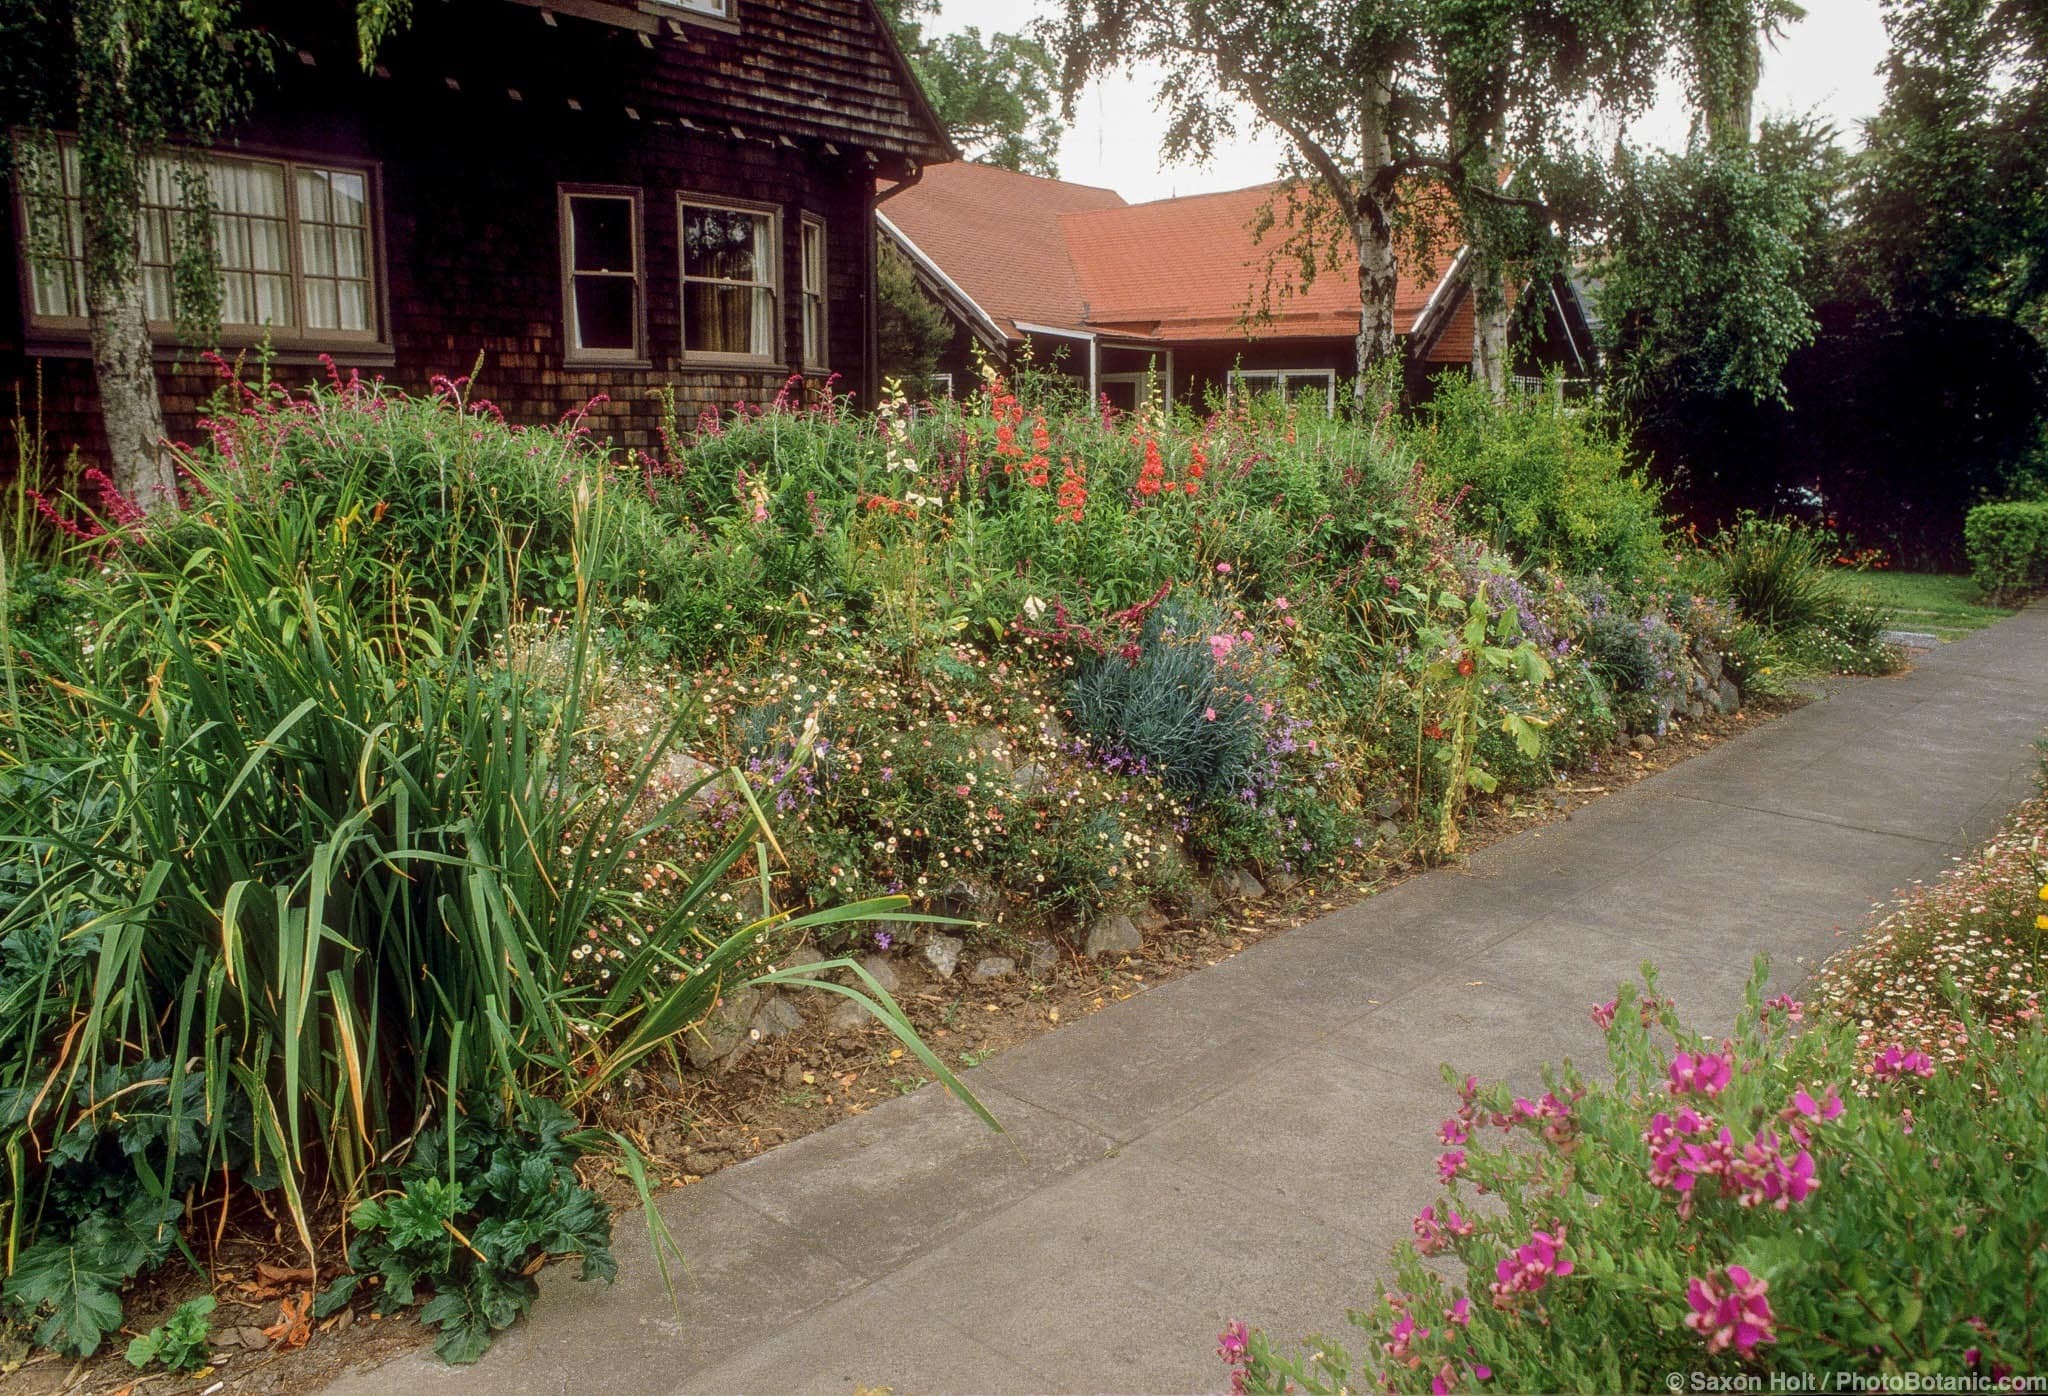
(1450, 1164)
(1233, 1343)
(1603, 1014)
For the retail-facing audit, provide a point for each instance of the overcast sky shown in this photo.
(1827, 64)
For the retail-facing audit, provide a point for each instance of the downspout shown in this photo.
(871, 349)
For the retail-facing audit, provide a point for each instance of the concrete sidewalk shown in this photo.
(1249, 1141)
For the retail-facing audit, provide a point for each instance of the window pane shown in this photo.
(354, 305)
(323, 311)
(316, 249)
(728, 319)
(156, 292)
(314, 202)
(814, 257)
(601, 233)
(350, 199)
(273, 300)
(723, 244)
(349, 253)
(604, 312)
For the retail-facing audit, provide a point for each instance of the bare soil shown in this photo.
(693, 1125)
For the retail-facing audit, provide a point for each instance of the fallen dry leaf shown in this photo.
(294, 1325)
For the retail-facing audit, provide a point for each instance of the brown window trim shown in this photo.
(52, 335)
(822, 363)
(574, 355)
(775, 358)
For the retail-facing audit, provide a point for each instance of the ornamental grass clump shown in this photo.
(1775, 1200)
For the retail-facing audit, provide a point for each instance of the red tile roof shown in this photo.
(1190, 268)
(1046, 252)
(997, 234)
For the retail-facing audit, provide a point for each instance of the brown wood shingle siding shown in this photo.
(479, 113)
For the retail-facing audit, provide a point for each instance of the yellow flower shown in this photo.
(2041, 923)
(2044, 892)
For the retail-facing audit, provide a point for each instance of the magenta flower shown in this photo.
(1805, 1105)
(1449, 1164)
(1433, 1234)
(1737, 1316)
(1794, 1009)
(1603, 1014)
(1530, 1267)
(1895, 1061)
(1233, 1343)
(1706, 1073)
(1453, 1131)
(1405, 1332)
(1223, 568)
(1461, 1314)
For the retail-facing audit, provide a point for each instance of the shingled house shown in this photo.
(1121, 295)
(598, 197)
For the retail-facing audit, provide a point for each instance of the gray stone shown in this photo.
(1149, 919)
(1388, 829)
(1664, 707)
(1030, 779)
(1710, 664)
(994, 967)
(1727, 697)
(992, 748)
(1045, 958)
(848, 1016)
(1392, 805)
(968, 900)
(778, 1016)
(704, 1161)
(724, 1031)
(1201, 904)
(1111, 934)
(684, 770)
(883, 970)
(942, 953)
(1909, 639)
(1241, 883)
(1280, 882)
(1643, 741)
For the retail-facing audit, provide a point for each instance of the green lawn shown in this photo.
(1939, 604)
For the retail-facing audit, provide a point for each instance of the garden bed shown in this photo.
(695, 1124)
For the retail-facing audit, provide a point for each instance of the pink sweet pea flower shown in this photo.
(1450, 1164)
(1603, 1014)
(1737, 1315)
(1707, 1073)
(1895, 1061)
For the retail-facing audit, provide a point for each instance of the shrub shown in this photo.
(1547, 483)
(1765, 1200)
(2008, 549)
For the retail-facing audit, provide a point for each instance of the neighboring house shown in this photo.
(1120, 295)
(586, 197)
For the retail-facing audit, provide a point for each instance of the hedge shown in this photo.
(2008, 548)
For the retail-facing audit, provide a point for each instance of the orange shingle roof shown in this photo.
(997, 234)
(1046, 252)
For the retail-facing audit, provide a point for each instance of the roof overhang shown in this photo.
(949, 292)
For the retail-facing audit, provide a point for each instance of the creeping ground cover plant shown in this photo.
(1790, 1197)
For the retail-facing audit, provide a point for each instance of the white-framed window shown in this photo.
(603, 280)
(812, 258)
(710, 9)
(1292, 384)
(732, 259)
(296, 242)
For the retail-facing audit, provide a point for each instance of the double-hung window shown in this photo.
(603, 315)
(813, 260)
(294, 240)
(1292, 384)
(732, 257)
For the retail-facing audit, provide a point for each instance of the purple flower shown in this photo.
(1706, 1073)
(1449, 1164)
(1737, 1315)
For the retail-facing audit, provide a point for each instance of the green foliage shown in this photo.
(911, 331)
(479, 1204)
(1547, 483)
(1949, 211)
(180, 1342)
(2008, 548)
(1617, 1232)
(301, 846)
(1706, 289)
(1778, 574)
(994, 96)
